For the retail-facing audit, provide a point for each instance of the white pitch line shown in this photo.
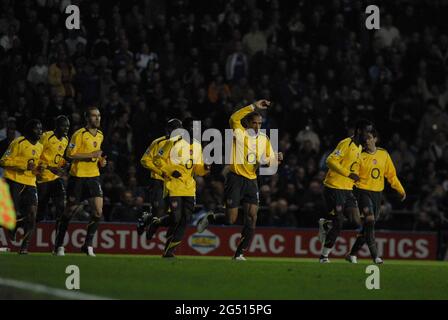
(65, 294)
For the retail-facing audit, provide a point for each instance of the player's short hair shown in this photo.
(60, 119)
(363, 124)
(173, 124)
(30, 125)
(250, 117)
(87, 112)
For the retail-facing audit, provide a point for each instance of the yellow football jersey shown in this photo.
(147, 161)
(178, 154)
(341, 162)
(248, 152)
(52, 155)
(374, 167)
(83, 141)
(15, 161)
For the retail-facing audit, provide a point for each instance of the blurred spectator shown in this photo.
(126, 210)
(39, 72)
(8, 40)
(144, 64)
(145, 56)
(433, 121)
(61, 75)
(307, 134)
(237, 65)
(255, 40)
(281, 216)
(73, 40)
(387, 33)
(9, 130)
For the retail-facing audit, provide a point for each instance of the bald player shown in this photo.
(343, 171)
(50, 184)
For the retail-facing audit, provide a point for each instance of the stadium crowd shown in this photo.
(143, 62)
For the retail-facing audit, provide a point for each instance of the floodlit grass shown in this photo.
(151, 277)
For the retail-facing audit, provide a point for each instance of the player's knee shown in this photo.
(232, 219)
(366, 211)
(370, 220)
(339, 210)
(98, 213)
(251, 220)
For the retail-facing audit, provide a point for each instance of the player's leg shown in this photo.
(359, 242)
(146, 216)
(95, 198)
(365, 211)
(370, 209)
(96, 205)
(250, 208)
(233, 190)
(74, 195)
(250, 221)
(335, 201)
(161, 216)
(364, 204)
(181, 209)
(43, 193)
(369, 226)
(59, 199)
(30, 202)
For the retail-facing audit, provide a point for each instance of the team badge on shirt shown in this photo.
(95, 144)
(33, 152)
(374, 161)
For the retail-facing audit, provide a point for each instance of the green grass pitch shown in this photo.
(151, 277)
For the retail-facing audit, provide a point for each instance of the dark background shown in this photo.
(143, 62)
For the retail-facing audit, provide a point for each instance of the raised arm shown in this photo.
(235, 119)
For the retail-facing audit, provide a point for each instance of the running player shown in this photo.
(343, 169)
(180, 159)
(250, 149)
(158, 216)
(84, 182)
(375, 165)
(50, 184)
(21, 164)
